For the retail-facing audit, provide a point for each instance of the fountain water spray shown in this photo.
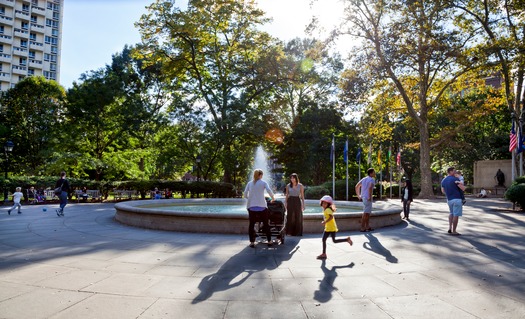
(261, 162)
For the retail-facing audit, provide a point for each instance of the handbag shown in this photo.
(58, 190)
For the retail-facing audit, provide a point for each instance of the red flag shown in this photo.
(513, 139)
(398, 158)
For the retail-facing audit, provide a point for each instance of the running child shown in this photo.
(330, 227)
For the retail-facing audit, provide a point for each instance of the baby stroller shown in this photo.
(277, 221)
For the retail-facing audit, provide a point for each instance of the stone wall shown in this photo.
(485, 171)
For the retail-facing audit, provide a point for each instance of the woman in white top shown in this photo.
(257, 207)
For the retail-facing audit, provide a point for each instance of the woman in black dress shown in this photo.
(294, 206)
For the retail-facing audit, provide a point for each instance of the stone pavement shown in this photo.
(86, 265)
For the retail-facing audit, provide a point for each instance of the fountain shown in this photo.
(229, 215)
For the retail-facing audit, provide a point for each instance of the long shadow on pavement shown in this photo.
(236, 270)
(326, 286)
(375, 246)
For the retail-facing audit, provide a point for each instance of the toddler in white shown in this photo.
(17, 197)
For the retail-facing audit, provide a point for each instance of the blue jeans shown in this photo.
(63, 200)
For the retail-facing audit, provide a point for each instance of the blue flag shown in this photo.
(358, 156)
(345, 154)
(521, 141)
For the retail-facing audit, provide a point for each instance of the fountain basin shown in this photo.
(154, 214)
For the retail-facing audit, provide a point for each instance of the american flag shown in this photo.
(513, 139)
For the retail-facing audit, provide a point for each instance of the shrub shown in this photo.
(316, 192)
(516, 194)
(519, 180)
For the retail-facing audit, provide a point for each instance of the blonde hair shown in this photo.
(257, 175)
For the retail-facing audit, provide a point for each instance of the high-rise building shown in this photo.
(30, 40)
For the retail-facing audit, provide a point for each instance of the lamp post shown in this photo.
(8, 148)
(198, 160)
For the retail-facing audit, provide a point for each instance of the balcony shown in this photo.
(36, 45)
(35, 63)
(5, 57)
(21, 33)
(6, 19)
(37, 27)
(4, 76)
(22, 15)
(20, 69)
(6, 39)
(38, 10)
(20, 51)
(10, 3)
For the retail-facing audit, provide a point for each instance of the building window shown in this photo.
(54, 32)
(23, 61)
(1, 29)
(2, 10)
(23, 43)
(32, 54)
(34, 3)
(54, 49)
(56, 15)
(1, 48)
(31, 71)
(51, 40)
(32, 36)
(25, 7)
(53, 67)
(47, 56)
(25, 25)
(34, 19)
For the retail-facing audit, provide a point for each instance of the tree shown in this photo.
(117, 109)
(220, 62)
(32, 112)
(413, 39)
(502, 47)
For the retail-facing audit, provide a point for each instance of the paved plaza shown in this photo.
(86, 265)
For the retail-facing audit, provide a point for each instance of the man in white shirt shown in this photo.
(364, 190)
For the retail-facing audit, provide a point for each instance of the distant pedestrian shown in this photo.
(330, 227)
(452, 188)
(257, 206)
(406, 197)
(63, 184)
(17, 197)
(364, 190)
(294, 206)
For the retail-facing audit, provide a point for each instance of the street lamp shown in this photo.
(198, 160)
(8, 148)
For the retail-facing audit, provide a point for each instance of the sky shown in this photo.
(94, 30)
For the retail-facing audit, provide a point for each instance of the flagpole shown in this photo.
(346, 160)
(390, 168)
(333, 166)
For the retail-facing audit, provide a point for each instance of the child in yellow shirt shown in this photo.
(330, 227)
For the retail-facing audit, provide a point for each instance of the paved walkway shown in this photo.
(86, 265)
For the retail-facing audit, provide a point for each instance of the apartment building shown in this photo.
(30, 40)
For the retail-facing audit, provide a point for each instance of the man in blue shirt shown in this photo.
(452, 187)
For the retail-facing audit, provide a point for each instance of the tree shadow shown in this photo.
(420, 226)
(375, 246)
(236, 270)
(326, 285)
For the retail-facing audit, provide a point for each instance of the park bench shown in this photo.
(125, 194)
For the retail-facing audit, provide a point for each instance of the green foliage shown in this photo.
(316, 192)
(516, 194)
(32, 112)
(519, 180)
